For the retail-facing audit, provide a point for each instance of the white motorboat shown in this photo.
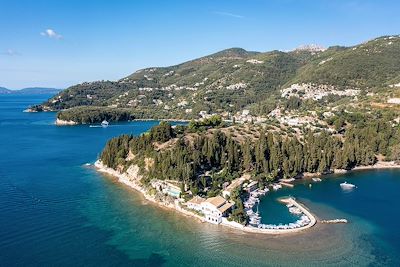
(316, 179)
(104, 123)
(347, 185)
(276, 187)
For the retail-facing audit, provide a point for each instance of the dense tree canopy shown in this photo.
(268, 157)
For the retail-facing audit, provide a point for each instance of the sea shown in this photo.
(56, 210)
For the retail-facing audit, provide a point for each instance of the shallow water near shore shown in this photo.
(55, 211)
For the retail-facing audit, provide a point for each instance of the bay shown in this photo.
(55, 211)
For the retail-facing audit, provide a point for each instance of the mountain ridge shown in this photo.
(232, 80)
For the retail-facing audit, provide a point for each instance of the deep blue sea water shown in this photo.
(55, 211)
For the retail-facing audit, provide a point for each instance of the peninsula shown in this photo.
(254, 119)
(217, 171)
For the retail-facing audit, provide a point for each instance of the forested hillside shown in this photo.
(234, 80)
(374, 64)
(187, 153)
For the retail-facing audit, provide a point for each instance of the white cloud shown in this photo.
(227, 14)
(10, 52)
(51, 34)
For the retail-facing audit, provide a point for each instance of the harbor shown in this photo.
(305, 218)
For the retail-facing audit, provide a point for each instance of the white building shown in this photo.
(394, 101)
(215, 208)
(195, 203)
(203, 113)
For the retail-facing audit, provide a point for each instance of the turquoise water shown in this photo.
(54, 211)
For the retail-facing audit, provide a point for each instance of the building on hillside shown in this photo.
(215, 208)
(195, 203)
(234, 184)
(203, 113)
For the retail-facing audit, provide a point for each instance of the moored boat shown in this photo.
(104, 123)
(276, 187)
(347, 185)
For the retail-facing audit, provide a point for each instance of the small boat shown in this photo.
(104, 123)
(315, 179)
(346, 185)
(295, 210)
(276, 187)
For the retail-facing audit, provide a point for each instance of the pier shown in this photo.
(286, 184)
(334, 221)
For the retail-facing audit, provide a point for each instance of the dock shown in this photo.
(286, 184)
(334, 221)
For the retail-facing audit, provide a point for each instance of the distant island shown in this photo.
(29, 90)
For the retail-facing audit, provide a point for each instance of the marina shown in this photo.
(253, 200)
(305, 218)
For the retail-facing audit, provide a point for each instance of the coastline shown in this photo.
(171, 120)
(131, 178)
(60, 122)
(378, 165)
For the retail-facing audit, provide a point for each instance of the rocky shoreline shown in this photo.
(60, 122)
(378, 165)
(132, 179)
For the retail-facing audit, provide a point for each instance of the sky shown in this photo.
(65, 42)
